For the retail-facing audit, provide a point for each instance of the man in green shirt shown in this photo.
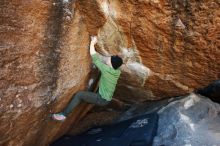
(110, 74)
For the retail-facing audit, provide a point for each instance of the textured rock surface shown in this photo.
(44, 57)
(176, 41)
(194, 121)
(187, 120)
(169, 48)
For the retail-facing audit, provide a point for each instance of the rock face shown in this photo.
(44, 58)
(169, 48)
(175, 42)
(194, 121)
(185, 120)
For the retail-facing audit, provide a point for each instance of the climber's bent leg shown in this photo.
(85, 96)
(89, 97)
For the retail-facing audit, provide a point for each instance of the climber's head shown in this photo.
(115, 61)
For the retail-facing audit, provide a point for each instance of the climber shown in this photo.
(110, 74)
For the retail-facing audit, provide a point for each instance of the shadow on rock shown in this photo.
(212, 91)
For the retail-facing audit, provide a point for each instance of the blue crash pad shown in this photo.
(138, 131)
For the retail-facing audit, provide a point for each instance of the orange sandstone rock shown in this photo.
(169, 47)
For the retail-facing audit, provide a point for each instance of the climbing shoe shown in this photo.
(58, 117)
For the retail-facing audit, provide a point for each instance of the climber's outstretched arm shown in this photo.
(92, 45)
(95, 58)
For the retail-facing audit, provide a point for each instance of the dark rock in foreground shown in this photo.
(138, 131)
(192, 120)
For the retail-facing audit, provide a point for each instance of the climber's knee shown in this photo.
(102, 102)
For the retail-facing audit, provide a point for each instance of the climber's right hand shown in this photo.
(93, 40)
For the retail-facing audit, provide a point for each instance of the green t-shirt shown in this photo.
(108, 80)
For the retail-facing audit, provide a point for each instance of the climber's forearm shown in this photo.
(92, 49)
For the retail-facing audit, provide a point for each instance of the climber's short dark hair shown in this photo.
(116, 61)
